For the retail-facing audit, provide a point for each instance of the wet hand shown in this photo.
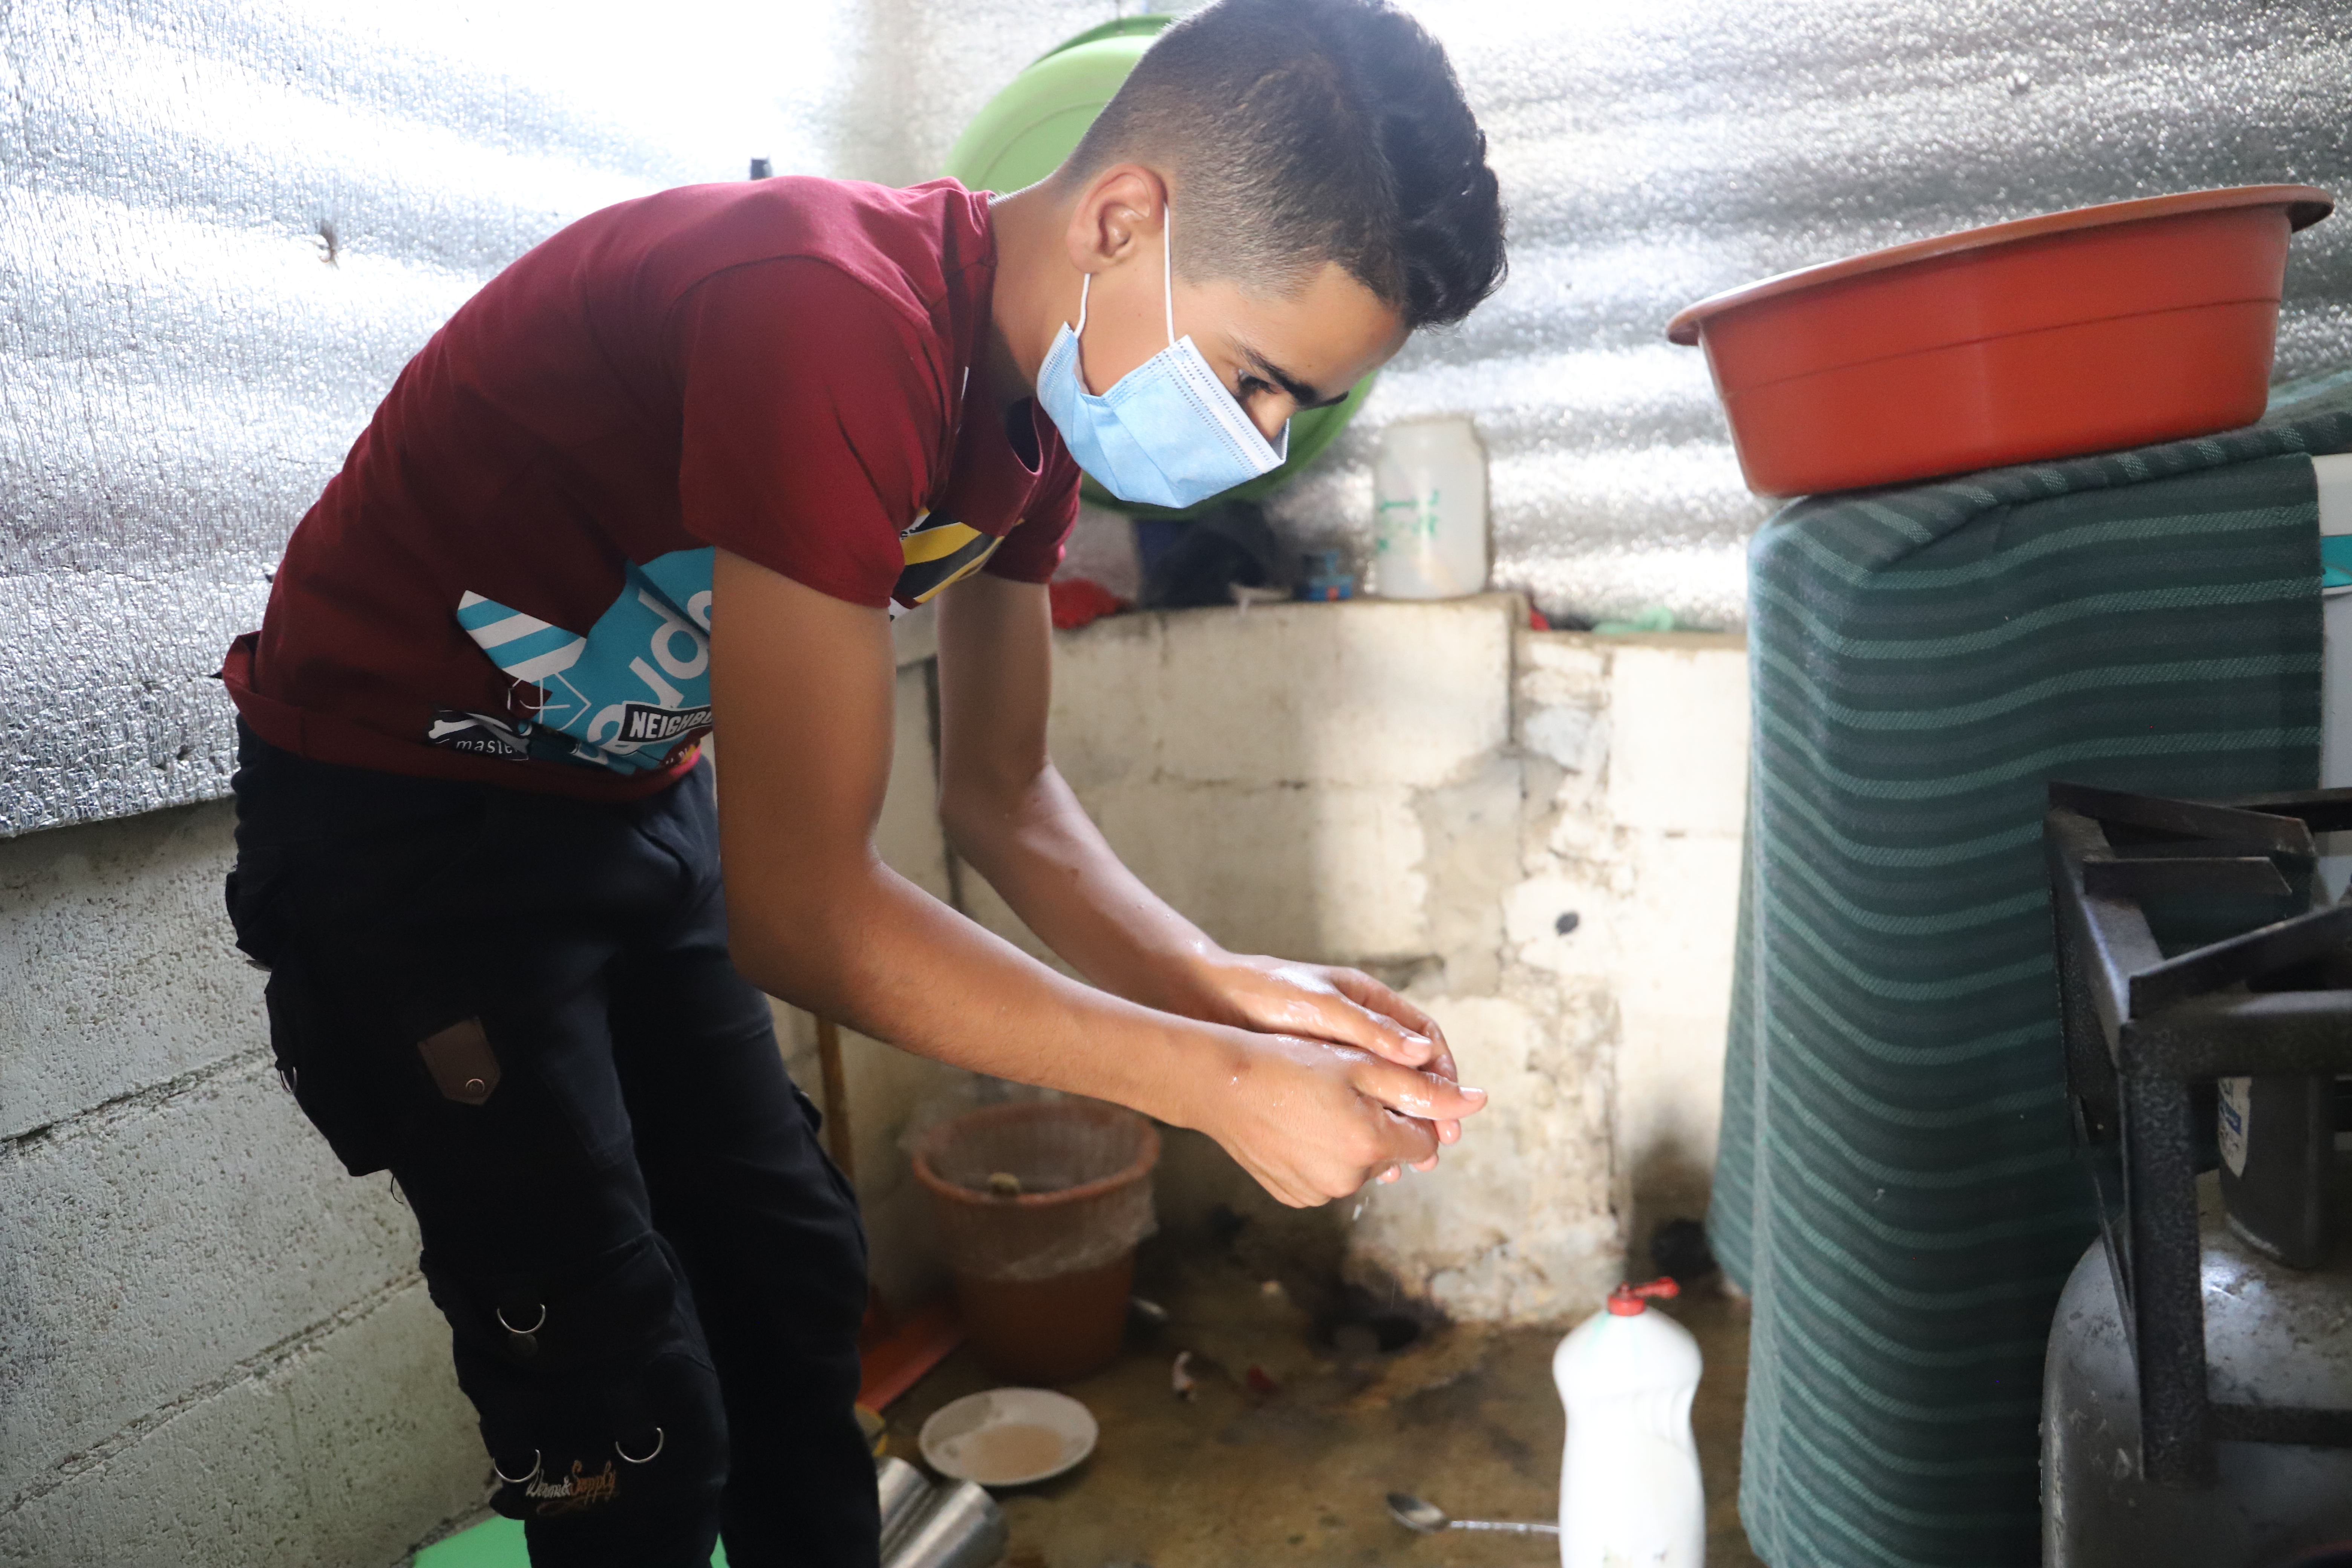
(1324, 1002)
(1313, 1121)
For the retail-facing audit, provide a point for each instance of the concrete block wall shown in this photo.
(1536, 834)
(215, 1348)
(1636, 757)
(1262, 769)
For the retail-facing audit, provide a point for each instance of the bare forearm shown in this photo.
(1038, 848)
(872, 950)
(1012, 817)
(801, 684)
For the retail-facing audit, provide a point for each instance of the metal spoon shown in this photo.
(1428, 1519)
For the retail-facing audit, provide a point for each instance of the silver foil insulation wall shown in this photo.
(1654, 153)
(223, 228)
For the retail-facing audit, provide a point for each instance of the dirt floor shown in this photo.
(1289, 1445)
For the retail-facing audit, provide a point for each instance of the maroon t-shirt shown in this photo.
(510, 580)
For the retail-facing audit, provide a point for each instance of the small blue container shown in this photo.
(1323, 577)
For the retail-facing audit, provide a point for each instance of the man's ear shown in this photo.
(1117, 212)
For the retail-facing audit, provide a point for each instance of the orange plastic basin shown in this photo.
(2078, 332)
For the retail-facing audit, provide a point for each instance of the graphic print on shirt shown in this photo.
(626, 695)
(939, 551)
(637, 686)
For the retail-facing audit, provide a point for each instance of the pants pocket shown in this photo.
(355, 982)
(596, 1394)
(321, 1059)
(840, 1184)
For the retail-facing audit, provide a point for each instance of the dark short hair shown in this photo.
(1299, 131)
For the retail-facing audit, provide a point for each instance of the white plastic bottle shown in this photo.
(1628, 1482)
(1429, 533)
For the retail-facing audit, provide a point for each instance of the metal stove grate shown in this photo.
(2152, 1020)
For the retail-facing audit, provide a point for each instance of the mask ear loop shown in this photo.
(1167, 278)
(1168, 267)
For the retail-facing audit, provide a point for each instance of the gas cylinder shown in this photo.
(1628, 1480)
(2274, 1335)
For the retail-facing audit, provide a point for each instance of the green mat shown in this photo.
(496, 1543)
(1895, 1185)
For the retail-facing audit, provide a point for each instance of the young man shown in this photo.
(669, 474)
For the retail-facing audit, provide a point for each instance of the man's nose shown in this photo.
(1270, 413)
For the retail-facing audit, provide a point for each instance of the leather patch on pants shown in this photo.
(462, 1063)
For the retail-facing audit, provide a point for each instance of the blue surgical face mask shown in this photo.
(1167, 433)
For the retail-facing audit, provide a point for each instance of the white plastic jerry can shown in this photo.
(1628, 1482)
(1429, 533)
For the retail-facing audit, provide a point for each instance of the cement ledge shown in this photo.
(1694, 642)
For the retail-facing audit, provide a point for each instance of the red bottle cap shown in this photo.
(1631, 1301)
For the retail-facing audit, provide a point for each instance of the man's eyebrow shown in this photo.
(1300, 393)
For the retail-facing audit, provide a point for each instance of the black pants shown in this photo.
(522, 1006)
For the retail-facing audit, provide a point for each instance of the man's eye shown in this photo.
(1250, 386)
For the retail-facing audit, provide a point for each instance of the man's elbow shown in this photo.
(960, 821)
(976, 813)
(762, 953)
(780, 936)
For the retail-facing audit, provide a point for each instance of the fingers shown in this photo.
(1378, 1001)
(1429, 1106)
(1385, 1023)
(1322, 1004)
(1422, 1096)
(1405, 1141)
(1449, 1130)
(1352, 1022)
(1288, 1194)
(1350, 1117)
(1368, 992)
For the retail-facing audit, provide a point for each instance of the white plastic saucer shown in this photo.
(1009, 1436)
